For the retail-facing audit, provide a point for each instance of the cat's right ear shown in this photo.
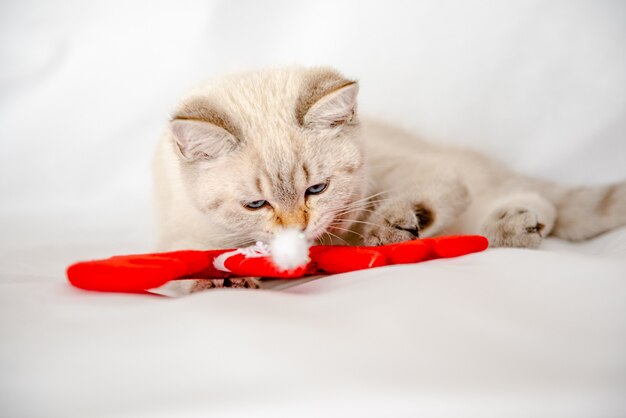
(335, 108)
(201, 140)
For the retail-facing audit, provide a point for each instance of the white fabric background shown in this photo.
(85, 89)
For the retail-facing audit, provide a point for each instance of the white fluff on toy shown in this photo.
(289, 249)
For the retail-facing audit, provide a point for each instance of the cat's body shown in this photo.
(252, 153)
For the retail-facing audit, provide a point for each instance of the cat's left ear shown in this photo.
(201, 140)
(334, 109)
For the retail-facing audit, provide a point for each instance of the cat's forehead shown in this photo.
(266, 99)
(281, 173)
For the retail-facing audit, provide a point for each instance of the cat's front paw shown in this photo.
(395, 222)
(235, 282)
(513, 227)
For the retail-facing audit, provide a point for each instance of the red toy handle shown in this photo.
(138, 273)
(331, 259)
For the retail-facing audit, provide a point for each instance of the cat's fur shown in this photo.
(269, 135)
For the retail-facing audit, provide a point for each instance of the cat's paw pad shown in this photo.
(235, 282)
(514, 227)
(396, 223)
(245, 282)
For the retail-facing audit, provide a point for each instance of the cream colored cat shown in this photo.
(248, 154)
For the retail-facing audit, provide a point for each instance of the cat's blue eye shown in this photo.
(317, 188)
(257, 204)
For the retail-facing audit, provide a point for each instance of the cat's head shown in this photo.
(272, 149)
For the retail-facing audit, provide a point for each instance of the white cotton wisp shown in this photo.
(289, 249)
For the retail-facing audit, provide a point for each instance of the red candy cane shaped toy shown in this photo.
(139, 273)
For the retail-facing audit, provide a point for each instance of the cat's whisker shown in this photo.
(327, 236)
(363, 204)
(362, 222)
(354, 210)
(374, 195)
(343, 211)
(338, 237)
(348, 230)
(237, 244)
(236, 241)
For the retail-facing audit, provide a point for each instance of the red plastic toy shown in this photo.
(139, 273)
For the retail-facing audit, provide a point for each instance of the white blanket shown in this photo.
(84, 92)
